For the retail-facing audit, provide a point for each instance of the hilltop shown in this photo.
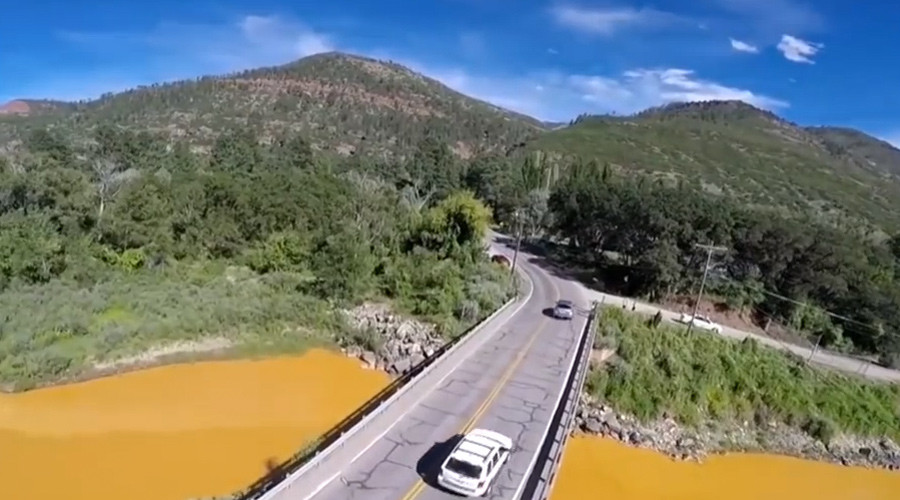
(736, 150)
(342, 103)
(350, 105)
(34, 107)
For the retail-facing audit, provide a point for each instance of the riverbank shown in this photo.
(623, 472)
(690, 396)
(62, 332)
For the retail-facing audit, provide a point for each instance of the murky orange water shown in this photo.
(603, 468)
(174, 432)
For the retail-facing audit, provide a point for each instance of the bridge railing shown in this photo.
(539, 482)
(312, 457)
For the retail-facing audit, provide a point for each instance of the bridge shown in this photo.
(514, 373)
(519, 372)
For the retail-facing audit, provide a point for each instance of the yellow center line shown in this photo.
(495, 392)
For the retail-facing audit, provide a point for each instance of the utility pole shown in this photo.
(709, 251)
(512, 268)
(815, 348)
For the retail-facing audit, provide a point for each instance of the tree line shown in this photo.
(837, 283)
(132, 202)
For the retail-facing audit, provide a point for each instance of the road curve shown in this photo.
(511, 385)
(826, 359)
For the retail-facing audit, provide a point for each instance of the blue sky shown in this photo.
(829, 62)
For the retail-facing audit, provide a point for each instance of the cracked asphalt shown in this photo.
(414, 448)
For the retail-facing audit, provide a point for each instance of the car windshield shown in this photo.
(464, 468)
(564, 304)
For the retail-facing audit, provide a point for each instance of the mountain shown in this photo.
(351, 105)
(864, 150)
(341, 103)
(736, 150)
(33, 107)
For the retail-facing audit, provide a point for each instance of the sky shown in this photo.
(828, 62)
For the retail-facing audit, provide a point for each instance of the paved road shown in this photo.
(511, 385)
(826, 359)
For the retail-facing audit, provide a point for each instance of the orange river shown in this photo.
(206, 429)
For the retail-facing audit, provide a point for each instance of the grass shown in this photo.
(701, 377)
(60, 330)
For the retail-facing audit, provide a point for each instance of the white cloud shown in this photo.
(183, 51)
(556, 96)
(188, 49)
(743, 46)
(642, 88)
(797, 50)
(770, 17)
(601, 21)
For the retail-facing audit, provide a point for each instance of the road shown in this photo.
(511, 385)
(826, 359)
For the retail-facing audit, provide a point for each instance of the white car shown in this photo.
(701, 322)
(564, 309)
(474, 463)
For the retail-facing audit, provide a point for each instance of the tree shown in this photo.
(30, 249)
(457, 221)
(109, 181)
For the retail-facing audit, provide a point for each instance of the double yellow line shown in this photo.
(495, 392)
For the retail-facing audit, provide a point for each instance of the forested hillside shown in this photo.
(745, 154)
(839, 284)
(254, 204)
(341, 103)
(129, 243)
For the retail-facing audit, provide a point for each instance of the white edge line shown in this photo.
(534, 457)
(396, 396)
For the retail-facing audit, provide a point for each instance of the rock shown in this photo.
(685, 442)
(369, 358)
(593, 424)
(401, 366)
(635, 437)
(609, 418)
(417, 358)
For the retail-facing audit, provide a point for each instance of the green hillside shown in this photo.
(738, 151)
(341, 103)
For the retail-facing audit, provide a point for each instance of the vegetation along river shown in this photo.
(205, 429)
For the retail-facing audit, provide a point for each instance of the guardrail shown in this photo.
(333, 440)
(539, 483)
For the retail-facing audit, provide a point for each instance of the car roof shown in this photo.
(476, 447)
(564, 302)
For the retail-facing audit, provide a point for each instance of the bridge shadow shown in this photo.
(278, 472)
(429, 465)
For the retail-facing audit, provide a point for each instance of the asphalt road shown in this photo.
(511, 385)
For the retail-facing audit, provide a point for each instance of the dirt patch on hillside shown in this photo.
(15, 108)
